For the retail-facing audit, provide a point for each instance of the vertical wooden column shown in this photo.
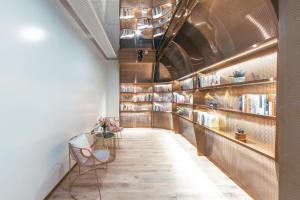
(289, 100)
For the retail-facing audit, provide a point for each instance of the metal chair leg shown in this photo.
(98, 183)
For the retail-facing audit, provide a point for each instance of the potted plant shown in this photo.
(241, 135)
(238, 76)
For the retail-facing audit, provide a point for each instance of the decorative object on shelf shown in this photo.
(208, 80)
(239, 76)
(211, 102)
(241, 135)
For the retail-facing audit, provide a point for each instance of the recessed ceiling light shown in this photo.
(32, 34)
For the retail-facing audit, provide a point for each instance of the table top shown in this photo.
(108, 134)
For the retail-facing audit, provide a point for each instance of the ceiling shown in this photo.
(108, 12)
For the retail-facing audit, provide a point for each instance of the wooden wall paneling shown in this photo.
(162, 120)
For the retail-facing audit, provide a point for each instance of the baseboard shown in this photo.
(63, 178)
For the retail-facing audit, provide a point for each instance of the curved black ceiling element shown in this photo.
(216, 30)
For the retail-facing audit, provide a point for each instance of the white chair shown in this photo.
(81, 151)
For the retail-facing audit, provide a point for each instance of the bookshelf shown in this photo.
(215, 97)
(210, 105)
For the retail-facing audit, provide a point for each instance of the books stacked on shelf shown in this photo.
(183, 98)
(163, 97)
(208, 80)
(127, 107)
(262, 104)
(146, 97)
(126, 13)
(135, 89)
(210, 120)
(187, 84)
(163, 88)
(162, 108)
(185, 112)
(132, 107)
(127, 89)
(157, 12)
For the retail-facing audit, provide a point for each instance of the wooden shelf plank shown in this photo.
(238, 112)
(246, 83)
(187, 90)
(183, 117)
(249, 144)
(162, 111)
(187, 104)
(136, 111)
(136, 101)
(162, 92)
(136, 92)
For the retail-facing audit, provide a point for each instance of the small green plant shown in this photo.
(240, 131)
(238, 73)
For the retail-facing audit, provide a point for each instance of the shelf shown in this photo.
(246, 83)
(187, 90)
(249, 144)
(136, 92)
(162, 111)
(136, 111)
(162, 92)
(162, 102)
(271, 43)
(238, 112)
(187, 104)
(136, 101)
(183, 117)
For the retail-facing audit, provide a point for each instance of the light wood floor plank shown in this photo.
(155, 164)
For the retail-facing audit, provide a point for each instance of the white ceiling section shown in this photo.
(108, 12)
(98, 18)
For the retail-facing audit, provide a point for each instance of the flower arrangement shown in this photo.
(104, 123)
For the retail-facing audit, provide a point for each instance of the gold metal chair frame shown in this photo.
(97, 164)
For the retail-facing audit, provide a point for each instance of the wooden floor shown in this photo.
(154, 164)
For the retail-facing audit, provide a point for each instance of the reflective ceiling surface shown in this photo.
(201, 32)
(216, 30)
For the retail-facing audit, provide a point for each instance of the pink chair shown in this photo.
(115, 128)
(81, 151)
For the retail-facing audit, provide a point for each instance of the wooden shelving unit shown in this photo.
(188, 99)
(246, 83)
(237, 112)
(250, 144)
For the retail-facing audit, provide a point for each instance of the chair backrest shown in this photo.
(80, 148)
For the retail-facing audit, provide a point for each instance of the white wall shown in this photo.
(50, 90)
(112, 97)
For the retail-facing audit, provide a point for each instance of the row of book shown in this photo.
(164, 88)
(161, 108)
(126, 12)
(157, 12)
(180, 98)
(209, 80)
(207, 119)
(262, 104)
(131, 107)
(135, 89)
(187, 84)
(147, 97)
(186, 112)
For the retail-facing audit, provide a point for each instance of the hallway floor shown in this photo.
(155, 164)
